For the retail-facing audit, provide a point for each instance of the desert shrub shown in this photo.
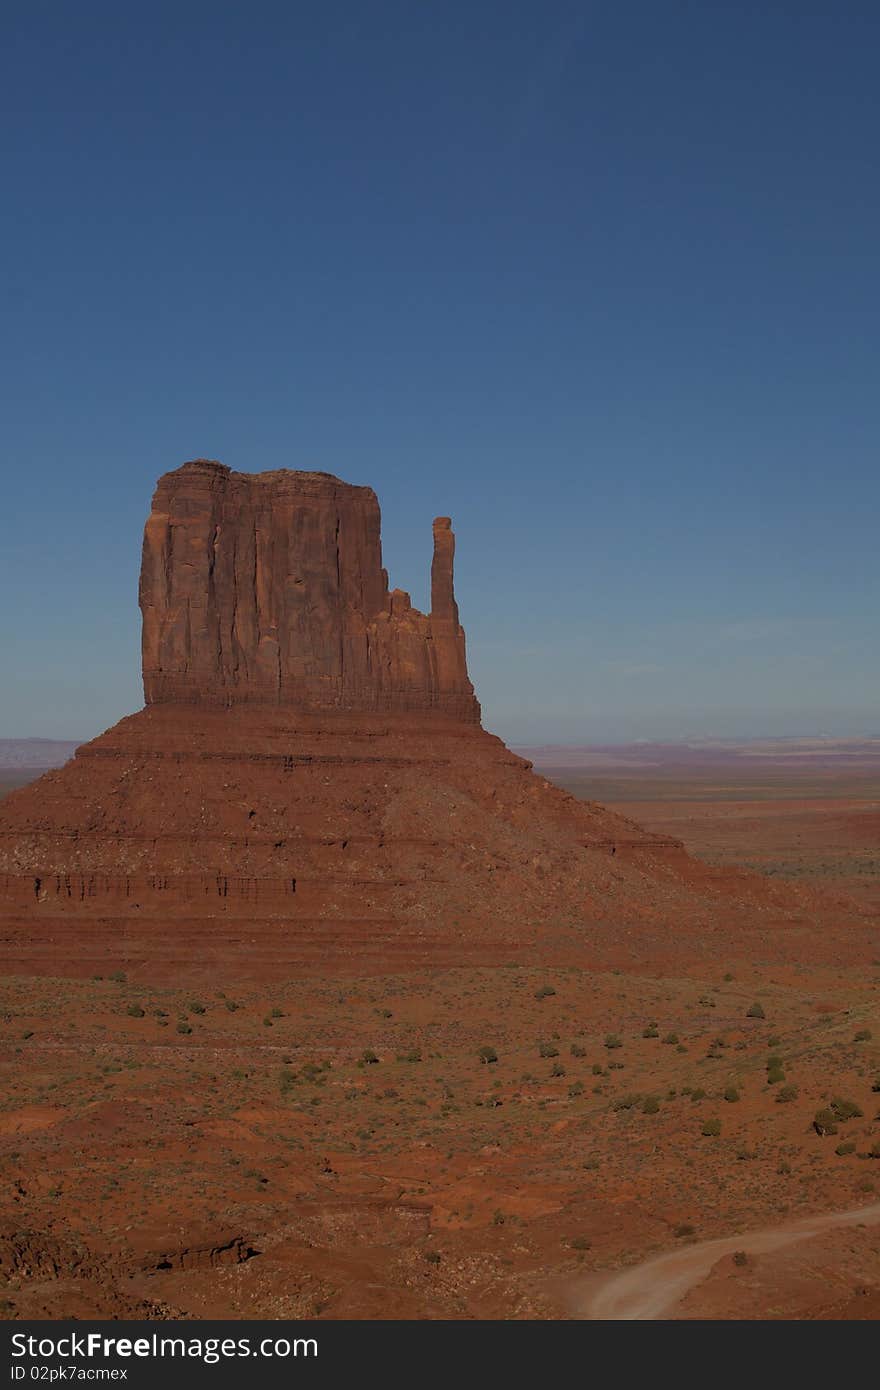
(432, 1257)
(863, 1035)
(267, 1022)
(119, 976)
(775, 1075)
(774, 1042)
(626, 1102)
(786, 1095)
(232, 1006)
(548, 1049)
(368, 1057)
(685, 1229)
(671, 1039)
(651, 1105)
(414, 1055)
(276, 1013)
(711, 1129)
(135, 1011)
(576, 1089)
(740, 1258)
(487, 1055)
(755, 1011)
(876, 1084)
(698, 1094)
(196, 1008)
(874, 1151)
(731, 1094)
(286, 1080)
(183, 1027)
(652, 1031)
(557, 1069)
(597, 1069)
(613, 1041)
(577, 1051)
(580, 1243)
(847, 1148)
(498, 1218)
(846, 1110)
(545, 992)
(825, 1122)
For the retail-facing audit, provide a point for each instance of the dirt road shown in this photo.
(654, 1288)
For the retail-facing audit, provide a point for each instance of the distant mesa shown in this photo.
(269, 588)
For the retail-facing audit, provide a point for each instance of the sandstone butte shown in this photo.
(309, 788)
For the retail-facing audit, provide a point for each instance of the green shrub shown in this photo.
(671, 1039)
(414, 1055)
(613, 1041)
(731, 1094)
(711, 1129)
(847, 1148)
(487, 1055)
(652, 1031)
(685, 1229)
(557, 1069)
(825, 1122)
(135, 1011)
(786, 1095)
(755, 1011)
(577, 1051)
(232, 1006)
(651, 1105)
(846, 1110)
(196, 1008)
(548, 1049)
(369, 1057)
(774, 1076)
(545, 992)
(740, 1258)
(183, 1027)
(863, 1035)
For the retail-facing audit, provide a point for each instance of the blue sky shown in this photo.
(598, 279)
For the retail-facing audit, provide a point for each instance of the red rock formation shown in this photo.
(269, 588)
(309, 787)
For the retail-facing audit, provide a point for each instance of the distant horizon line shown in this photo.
(823, 736)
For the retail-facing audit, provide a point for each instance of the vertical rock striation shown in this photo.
(269, 588)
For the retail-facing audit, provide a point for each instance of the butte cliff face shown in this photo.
(269, 588)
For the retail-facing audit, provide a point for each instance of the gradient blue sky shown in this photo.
(598, 279)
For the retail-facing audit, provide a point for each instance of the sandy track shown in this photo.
(652, 1289)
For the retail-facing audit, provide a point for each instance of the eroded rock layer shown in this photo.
(269, 588)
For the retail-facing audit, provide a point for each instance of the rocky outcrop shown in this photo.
(269, 588)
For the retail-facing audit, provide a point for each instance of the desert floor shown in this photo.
(337, 1147)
